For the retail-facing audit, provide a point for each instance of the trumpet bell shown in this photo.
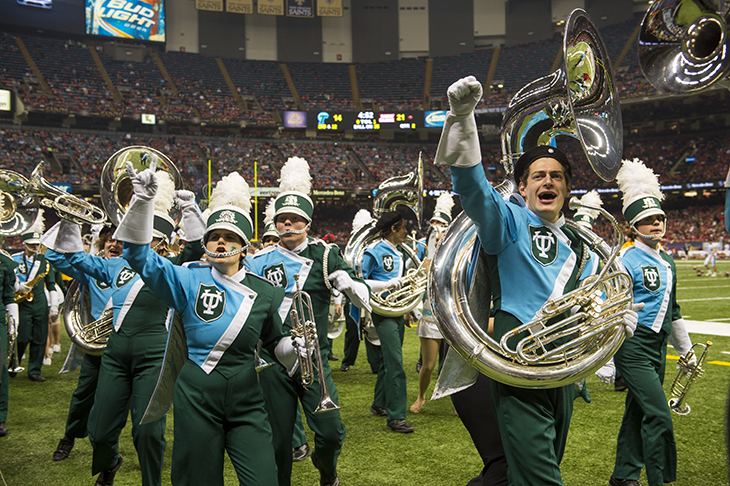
(683, 45)
(18, 211)
(116, 186)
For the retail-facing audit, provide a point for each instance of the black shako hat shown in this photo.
(527, 158)
(390, 218)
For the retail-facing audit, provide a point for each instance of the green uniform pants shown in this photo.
(390, 385)
(215, 414)
(281, 393)
(300, 436)
(352, 339)
(129, 370)
(4, 355)
(33, 330)
(83, 398)
(533, 425)
(646, 437)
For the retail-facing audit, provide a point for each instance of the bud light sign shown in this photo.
(126, 19)
(434, 119)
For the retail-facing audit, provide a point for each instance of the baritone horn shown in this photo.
(89, 334)
(116, 186)
(18, 211)
(304, 326)
(687, 375)
(578, 101)
(684, 45)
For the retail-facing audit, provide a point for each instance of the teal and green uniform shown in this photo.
(7, 296)
(383, 261)
(82, 399)
(218, 404)
(646, 437)
(130, 364)
(279, 266)
(33, 327)
(530, 261)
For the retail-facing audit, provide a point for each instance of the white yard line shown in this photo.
(703, 299)
(705, 287)
(708, 327)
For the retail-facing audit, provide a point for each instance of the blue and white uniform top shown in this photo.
(100, 292)
(122, 283)
(279, 265)
(27, 266)
(654, 285)
(382, 261)
(214, 307)
(536, 260)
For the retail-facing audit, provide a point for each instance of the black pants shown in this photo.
(476, 411)
(352, 340)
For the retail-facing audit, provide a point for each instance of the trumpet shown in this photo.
(685, 377)
(303, 325)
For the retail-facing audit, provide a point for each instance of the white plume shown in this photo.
(165, 197)
(444, 203)
(39, 225)
(231, 189)
(295, 176)
(636, 180)
(362, 217)
(594, 199)
(269, 213)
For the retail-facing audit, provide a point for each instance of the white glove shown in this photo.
(607, 373)
(144, 183)
(13, 318)
(357, 292)
(679, 337)
(631, 319)
(459, 143)
(691, 362)
(192, 219)
(464, 95)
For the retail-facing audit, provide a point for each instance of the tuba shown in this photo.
(90, 335)
(684, 45)
(406, 190)
(579, 101)
(18, 211)
(116, 186)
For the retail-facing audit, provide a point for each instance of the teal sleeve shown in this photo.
(170, 280)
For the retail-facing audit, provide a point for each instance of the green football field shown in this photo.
(439, 453)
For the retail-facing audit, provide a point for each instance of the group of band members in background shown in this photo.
(225, 313)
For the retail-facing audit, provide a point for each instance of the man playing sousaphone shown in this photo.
(534, 258)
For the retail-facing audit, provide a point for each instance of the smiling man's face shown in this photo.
(545, 188)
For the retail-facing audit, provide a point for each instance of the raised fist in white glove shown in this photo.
(184, 199)
(631, 319)
(464, 95)
(144, 183)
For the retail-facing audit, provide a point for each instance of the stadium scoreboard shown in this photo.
(358, 121)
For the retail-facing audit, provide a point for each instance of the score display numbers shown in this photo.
(363, 121)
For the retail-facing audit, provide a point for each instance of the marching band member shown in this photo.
(134, 352)
(270, 236)
(526, 273)
(298, 255)
(428, 330)
(9, 319)
(225, 310)
(383, 265)
(100, 294)
(32, 267)
(646, 437)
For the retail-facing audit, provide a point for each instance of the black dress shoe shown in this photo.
(400, 426)
(3, 430)
(301, 453)
(620, 384)
(37, 378)
(333, 357)
(623, 482)
(378, 411)
(333, 482)
(63, 449)
(345, 367)
(106, 478)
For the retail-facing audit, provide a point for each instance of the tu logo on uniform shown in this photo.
(209, 303)
(544, 245)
